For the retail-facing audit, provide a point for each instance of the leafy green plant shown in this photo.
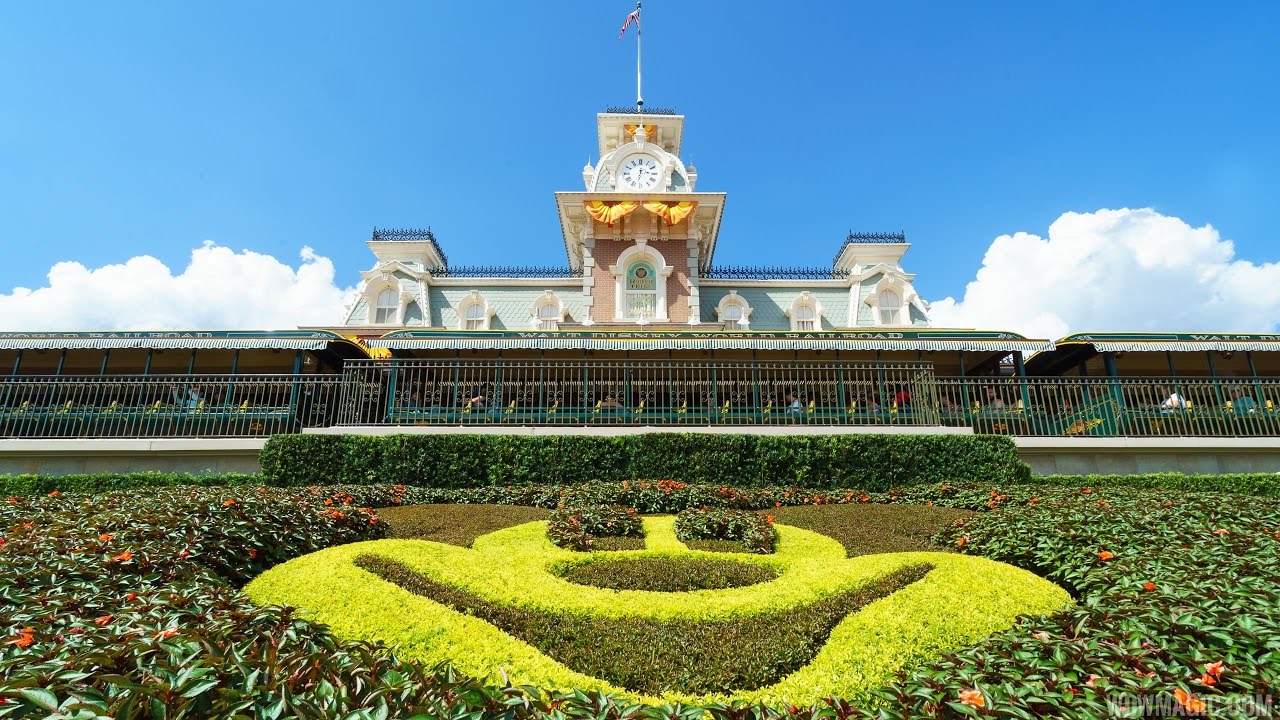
(754, 531)
(871, 461)
(577, 527)
(669, 574)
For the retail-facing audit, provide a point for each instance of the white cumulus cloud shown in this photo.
(219, 289)
(1126, 269)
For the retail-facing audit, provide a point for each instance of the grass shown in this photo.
(654, 656)
(668, 574)
(868, 529)
(456, 524)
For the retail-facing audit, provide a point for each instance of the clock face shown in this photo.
(640, 172)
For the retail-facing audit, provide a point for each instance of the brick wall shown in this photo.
(674, 251)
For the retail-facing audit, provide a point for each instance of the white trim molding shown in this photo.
(733, 299)
(470, 300)
(545, 300)
(640, 252)
(804, 300)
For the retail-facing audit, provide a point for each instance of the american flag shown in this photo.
(633, 17)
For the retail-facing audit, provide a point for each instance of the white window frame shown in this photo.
(805, 301)
(472, 300)
(731, 301)
(539, 317)
(640, 252)
(378, 307)
(895, 312)
(906, 298)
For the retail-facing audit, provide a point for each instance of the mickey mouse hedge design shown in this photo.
(434, 602)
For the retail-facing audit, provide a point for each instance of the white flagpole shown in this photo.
(639, 97)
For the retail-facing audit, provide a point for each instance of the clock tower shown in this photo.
(639, 232)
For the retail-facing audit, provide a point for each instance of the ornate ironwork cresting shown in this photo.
(744, 272)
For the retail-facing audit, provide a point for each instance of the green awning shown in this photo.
(178, 340)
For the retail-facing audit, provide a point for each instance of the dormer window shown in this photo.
(474, 312)
(548, 312)
(805, 313)
(734, 311)
(890, 307)
(388, 307)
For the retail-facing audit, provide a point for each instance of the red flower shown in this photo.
(26, 638)
(973, 698)
(131, 597)
(1188, 701)
(865, 498)
(1106, 555)
(13, 499)
(1149, 586)
(102, 620)
(253, 554)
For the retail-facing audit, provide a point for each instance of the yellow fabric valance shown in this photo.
(610, 212)
(650, 131)
(671, 212)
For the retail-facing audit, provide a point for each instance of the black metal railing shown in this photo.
(159, 406)
(506, 271)
(562, 392)
(747, 272)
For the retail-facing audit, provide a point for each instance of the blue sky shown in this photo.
(149, 128)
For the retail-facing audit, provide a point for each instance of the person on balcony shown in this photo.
(188, 398)
(1173, 402)
(1242, 404)
(994, 403)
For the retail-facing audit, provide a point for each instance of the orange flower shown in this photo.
(1034, 501)
(1167, 504)
(1220, 531)
(125, 556)
(26, 637)
(13, 499)
(777, 504)
(973, 698)
(1086, 491)
(106, 537)
(102, 620)
(55, 493)
(1092, 681)
(1188, 701)
(769, 518)
(1214, 668)
(865, 498)
(164, 634)
(1106, 555)
(1149, 586)
(962, 541)
(230, 503)
(1208, 680)
(942, 488)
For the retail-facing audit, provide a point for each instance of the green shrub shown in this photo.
(514, 575)
(1264, 484)
(104, 482)
(868, 461)
(754, 531)
(661, 574)
(577, 527)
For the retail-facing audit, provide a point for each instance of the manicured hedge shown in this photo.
(1265, 484)
(103, 482)
(871, 462)
(959, 601)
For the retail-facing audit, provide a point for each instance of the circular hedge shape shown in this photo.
(669, 574)
(960, 600)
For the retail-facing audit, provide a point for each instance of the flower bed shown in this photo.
(578, 527)
(753, 531)
(1172, 611)
(513, 577)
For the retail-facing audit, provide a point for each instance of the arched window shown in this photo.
(805, 317)
(473, 312)
(734, 312)
(890, 308)
(475, 317)
(387, 308)
(641, 291)
(548, 317)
